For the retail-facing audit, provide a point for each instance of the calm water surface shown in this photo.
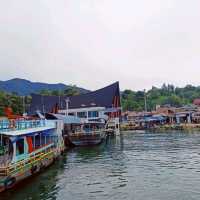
(134, 166)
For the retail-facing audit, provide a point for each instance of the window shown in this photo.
(37, 141)
(20, 146)
(92, 114)
(82, 114)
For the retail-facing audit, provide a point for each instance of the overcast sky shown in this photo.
(92, 43)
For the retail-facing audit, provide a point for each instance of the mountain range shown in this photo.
(24, 87)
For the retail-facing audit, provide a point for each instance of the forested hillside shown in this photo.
(25, 87)
(131, 100)
(20, 104)
(167, 94)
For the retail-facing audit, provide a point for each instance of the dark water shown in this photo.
(133, 166)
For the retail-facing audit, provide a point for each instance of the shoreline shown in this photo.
(168, 127)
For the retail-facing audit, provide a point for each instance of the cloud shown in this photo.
(93, 43)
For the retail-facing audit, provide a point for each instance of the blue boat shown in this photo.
(27, 147)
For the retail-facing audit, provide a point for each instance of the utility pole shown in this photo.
(24, 109)
(67, 106)
(43, 109)
(145, 101)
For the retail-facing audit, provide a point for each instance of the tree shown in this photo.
(45, 92)
(72, 91)
(167, 94)
(11, 100)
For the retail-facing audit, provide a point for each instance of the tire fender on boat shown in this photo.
(9, 182)
(34, 169)
(42, 165)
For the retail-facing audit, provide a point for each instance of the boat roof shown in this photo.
(67, 119)
(26, 131)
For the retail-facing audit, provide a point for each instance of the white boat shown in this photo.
(113, 126)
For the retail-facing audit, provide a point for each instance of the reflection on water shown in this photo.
(131, 166)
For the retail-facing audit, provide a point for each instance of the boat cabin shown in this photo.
(22, 139)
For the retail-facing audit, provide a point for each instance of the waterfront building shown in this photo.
(196, 102)
(92, 106)
(165, 114)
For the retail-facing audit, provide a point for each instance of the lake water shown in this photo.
(133, 166)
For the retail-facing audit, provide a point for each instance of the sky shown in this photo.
(92, 43)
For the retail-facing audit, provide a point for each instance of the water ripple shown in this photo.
(133, 166)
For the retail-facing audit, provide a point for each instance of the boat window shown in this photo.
(2, 146)
(92, 114)
(20, 146)
(77, 128)
(37, 141)
(82, 114)
(48, 139)
(87, 126)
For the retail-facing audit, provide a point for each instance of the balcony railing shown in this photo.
(26, 164)
(10, 125)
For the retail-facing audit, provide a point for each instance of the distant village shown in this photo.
(185, 117)
(166, 107)
(32, 141)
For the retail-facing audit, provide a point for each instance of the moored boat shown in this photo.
(113, 127)
(90, 133)
(27, 147)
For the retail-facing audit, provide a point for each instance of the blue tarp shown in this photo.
(154, 119)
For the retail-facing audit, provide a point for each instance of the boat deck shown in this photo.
(9, 125)
(5, 160)
(18, 128)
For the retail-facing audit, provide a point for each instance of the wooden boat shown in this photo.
(80, 133)
(90, 133)
(27, 147)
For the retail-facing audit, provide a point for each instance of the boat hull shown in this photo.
(86, 139)
(10, 181)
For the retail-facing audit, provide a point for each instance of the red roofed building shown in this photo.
(196, 102)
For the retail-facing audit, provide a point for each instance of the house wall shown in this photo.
(90, 113)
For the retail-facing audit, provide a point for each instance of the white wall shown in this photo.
(100, 110)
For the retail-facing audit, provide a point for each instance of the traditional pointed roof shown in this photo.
(100, 98)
